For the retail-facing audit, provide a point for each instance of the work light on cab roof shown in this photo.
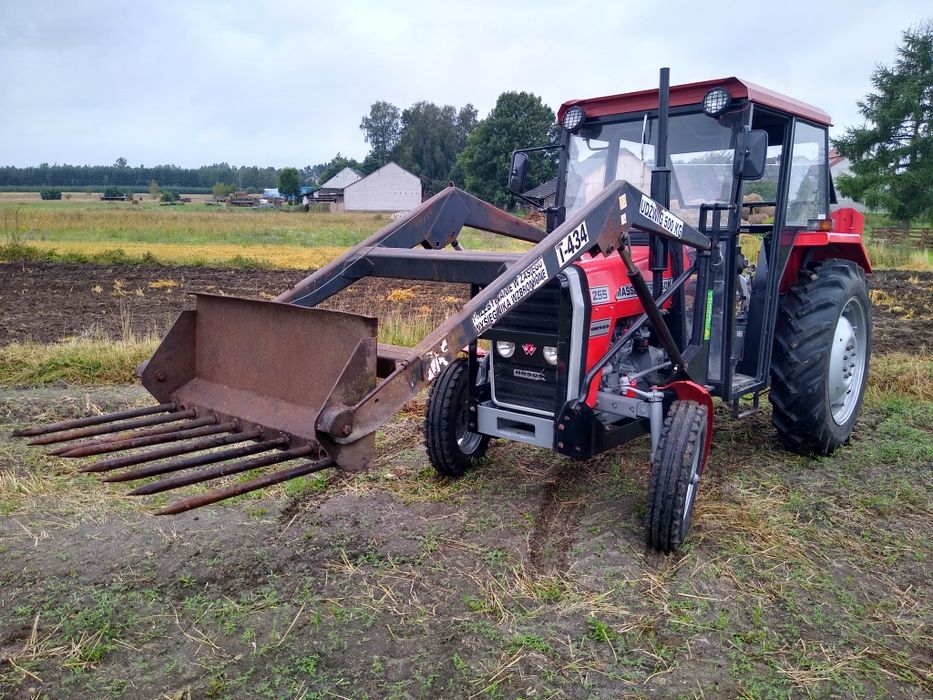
(716, 101)
(573, 117)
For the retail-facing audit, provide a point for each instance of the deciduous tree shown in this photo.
(381, 129)
(289, 183)
(518, 120)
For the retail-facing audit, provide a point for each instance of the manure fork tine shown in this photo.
(171, 451)
(35, 430)
(120, 437)
(132, 443)
(103, 429)
(260, 482)
(199, 460)
(222, 470)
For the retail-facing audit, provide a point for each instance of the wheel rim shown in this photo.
(847, 361)
(467, 441)
(692, 484)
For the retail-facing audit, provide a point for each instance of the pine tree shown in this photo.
(892, 153)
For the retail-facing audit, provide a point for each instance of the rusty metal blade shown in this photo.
(93, 430)
(171, 451)
(199, 460)
(222, 470)
(247, 486)
(133, 443)
(62, 450)
(34, 430)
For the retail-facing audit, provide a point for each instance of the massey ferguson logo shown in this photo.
(529, 374)
(529, 349)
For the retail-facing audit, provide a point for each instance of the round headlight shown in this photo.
(505, 348)
(550, 354)
(573, 117)
(716, 101)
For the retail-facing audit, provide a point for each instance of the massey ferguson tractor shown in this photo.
(624, 318)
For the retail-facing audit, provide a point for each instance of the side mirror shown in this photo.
(751, 151)
(517, 172)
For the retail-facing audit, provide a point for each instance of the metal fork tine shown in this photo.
(198, 460)
(119, 437)
(34, 430)
(133, 443)
(247, 486)
(90, 431)
(222, 470)
(171, 451)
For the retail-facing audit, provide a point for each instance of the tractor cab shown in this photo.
(773, 206)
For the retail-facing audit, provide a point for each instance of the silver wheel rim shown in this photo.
(847, 361)
(692, 484)
(466, 440)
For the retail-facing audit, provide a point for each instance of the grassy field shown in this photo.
(194, 233)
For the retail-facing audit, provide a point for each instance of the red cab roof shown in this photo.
(692, 93)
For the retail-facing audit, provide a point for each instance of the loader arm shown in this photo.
(602, 225)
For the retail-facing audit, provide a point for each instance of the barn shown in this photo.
(390, 188)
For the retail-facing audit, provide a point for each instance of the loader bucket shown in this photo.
(255, 375)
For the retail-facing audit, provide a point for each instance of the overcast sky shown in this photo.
(285, 83)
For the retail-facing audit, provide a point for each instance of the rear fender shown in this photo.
(844, 242)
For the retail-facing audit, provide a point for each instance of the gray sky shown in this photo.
(199, 82)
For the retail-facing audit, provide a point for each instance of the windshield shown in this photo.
(700, 150)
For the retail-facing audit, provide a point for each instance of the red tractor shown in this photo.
(625, 318)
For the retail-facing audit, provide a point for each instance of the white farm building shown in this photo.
(390, 188)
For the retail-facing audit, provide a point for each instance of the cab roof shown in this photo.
(692, 93)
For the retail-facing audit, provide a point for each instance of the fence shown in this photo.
(915, 237)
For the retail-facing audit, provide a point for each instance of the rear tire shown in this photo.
(819, 369)
(675, 474)
(451, 447)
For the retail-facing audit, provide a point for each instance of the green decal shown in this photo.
(709, 314)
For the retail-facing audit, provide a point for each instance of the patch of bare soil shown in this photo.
(46, 302)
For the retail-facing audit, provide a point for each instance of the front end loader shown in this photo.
(625, 318)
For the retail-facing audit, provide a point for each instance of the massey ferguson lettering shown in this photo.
(520, 287)
(529, 374)
(661, 216)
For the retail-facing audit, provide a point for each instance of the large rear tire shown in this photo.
(451, 447)
(675, 474)
(819, 368)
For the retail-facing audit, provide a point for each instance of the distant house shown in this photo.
(390, 188)
(544, 194)
(332, 190)
(839, 165)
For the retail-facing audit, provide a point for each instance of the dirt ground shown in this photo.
(527, 578)
(46, 302)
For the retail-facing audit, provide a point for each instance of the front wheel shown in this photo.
(822, 344)
(452, 447)
(675, 475)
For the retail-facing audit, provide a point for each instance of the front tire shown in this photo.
(675, 474)
(451, 447)
(819, 369)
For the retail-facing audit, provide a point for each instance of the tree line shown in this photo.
(136, 178)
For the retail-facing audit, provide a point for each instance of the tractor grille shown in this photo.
(526, 380)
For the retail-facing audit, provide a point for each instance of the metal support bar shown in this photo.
(93, 430)
(133, 443)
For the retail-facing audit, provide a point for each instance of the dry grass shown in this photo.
(94, 360)
(279, 256)
(900, 373)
